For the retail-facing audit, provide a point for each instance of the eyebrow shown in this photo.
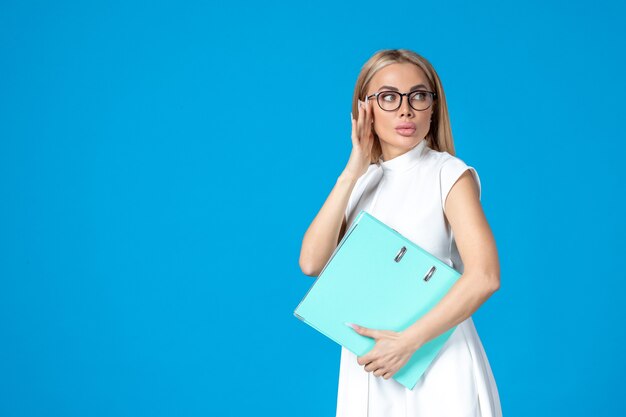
(388, 87)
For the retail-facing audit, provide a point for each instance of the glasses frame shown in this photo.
(432, 93)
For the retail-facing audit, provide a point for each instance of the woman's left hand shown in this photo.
(390, 353)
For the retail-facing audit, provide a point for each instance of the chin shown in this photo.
(406, 141)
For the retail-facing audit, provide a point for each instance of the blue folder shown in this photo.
(379, 279)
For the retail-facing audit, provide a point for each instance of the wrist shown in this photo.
(413, 337)
(347, 177)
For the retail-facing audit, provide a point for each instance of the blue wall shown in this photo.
(161, 161)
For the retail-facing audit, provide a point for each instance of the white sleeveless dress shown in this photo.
(408, 194)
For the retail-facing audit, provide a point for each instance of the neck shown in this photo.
(390, 152)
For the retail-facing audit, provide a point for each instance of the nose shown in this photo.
(405, 108)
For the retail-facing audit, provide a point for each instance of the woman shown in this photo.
(403, 171)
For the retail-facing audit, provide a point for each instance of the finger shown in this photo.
(364, 117)
(364, 331)
(360, 121)
(366, 128)
(387, 375)
(366, 359)
(353, 135)
(366, 114)
(372, 366)
(370, 116)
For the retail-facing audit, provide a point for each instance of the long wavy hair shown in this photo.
(440, 133)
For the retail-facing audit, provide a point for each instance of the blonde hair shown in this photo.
(440, 132)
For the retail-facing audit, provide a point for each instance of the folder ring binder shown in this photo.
(362, 284)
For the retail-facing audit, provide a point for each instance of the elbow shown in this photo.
(493, 283)
(307, 268)
(485, 282)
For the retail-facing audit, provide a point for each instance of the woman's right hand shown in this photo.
(362, 141)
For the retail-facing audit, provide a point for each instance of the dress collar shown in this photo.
(406, 161)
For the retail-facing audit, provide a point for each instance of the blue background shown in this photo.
(161, 161)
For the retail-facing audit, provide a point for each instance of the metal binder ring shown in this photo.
(430, 273)
(400, 254)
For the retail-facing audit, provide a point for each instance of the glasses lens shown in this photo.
(389, 100)
(420, 100)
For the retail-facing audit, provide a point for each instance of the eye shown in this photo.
(389, 97)
(419, 96)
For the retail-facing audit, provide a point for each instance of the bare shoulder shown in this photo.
(471, 230)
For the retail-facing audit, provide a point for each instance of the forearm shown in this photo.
(462, 300)
(320, 239)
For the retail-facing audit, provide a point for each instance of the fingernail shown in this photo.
(350, 325)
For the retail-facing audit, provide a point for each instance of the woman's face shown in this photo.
(404, 78)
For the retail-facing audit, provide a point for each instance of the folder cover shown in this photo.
(379, 279)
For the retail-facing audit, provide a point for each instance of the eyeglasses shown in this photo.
(392, 100)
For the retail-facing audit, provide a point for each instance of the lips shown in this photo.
(405, 129)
